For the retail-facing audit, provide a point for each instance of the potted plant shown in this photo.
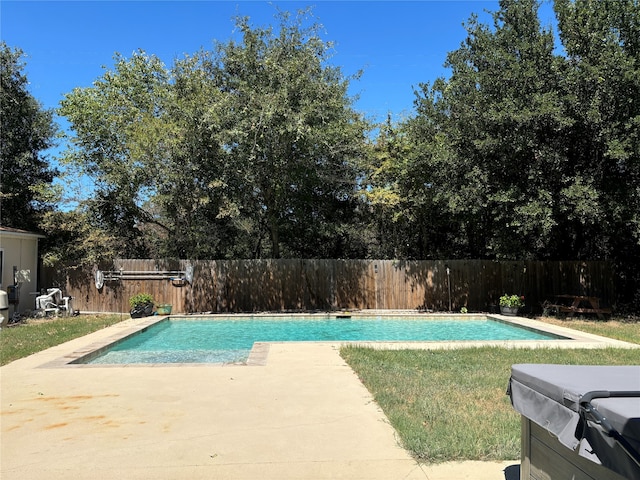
(509, 304)
(141, 305)
(164, 309)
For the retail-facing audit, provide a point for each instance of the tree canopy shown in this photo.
(27, 130)
(247, 151)
(529, 149)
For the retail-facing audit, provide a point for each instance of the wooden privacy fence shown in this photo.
(307, 285)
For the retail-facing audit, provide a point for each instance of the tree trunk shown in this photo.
(275, 238)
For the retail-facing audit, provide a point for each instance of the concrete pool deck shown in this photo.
(303, 415)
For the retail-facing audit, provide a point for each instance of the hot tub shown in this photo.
(578, 422)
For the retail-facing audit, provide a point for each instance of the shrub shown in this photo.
(513, 301)
(140, 299)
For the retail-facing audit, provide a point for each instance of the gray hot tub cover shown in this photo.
(550, 395)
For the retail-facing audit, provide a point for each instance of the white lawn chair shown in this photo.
(53, 302)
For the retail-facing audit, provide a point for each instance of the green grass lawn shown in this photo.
(36, 335)
(450, 405)
(627, 331)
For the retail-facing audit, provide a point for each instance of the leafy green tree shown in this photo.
(192, 191)
(248, 151)
(73, 240)
(495, 128)
(383, 194)
(143, 133)
(601, 39)
(533, 152)
(294, 137)
(402, 207)
(27, 130)
(116, 144)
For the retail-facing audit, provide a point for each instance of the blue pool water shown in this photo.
(231, 340)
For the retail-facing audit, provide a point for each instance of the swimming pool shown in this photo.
(231, 339)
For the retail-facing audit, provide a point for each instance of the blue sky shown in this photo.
(397, 44)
